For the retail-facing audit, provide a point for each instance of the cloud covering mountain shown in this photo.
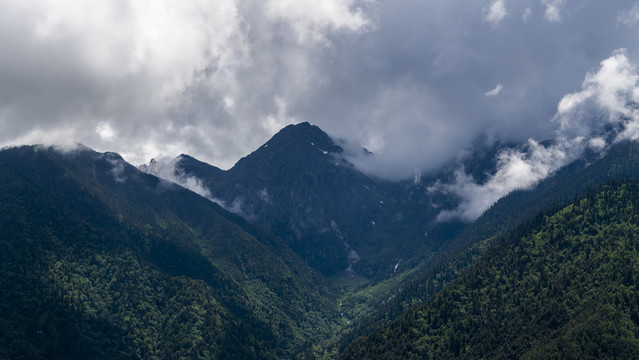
(604, 112)
(413, 81)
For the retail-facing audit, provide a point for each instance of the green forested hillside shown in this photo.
(438, 271)
(101, 261)
(563, 285)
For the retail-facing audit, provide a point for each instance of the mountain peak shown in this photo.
(187, 165)
(303, 134)
(302, 144)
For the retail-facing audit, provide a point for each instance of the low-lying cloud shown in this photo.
(604, 112)
(168, 169)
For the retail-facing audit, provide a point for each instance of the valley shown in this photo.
(295, 254)
(319, 180)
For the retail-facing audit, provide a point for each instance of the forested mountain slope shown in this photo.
(100, 260)
(621, 162)
(563, 285)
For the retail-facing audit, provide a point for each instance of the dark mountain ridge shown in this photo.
(301, 187)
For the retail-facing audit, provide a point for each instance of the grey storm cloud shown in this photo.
(413, 81)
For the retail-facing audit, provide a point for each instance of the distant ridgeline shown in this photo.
(564, 285)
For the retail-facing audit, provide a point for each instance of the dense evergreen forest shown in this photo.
(436, 272)
(103, 261)
(100, 261)
(562, 285)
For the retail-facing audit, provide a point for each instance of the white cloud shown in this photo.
(597, 143)
(105, 130)
(607, 97)
(62, 138)
(118, 167)
(516, 170)
(495, 91)
(607, 92)
(184, 75)
(526, 15)
(311, 20)
(216, 79)
(167, 169)
(553, 10)
(398, 121)
(496, 12)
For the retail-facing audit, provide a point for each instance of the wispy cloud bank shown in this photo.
(630, 16)
(604, 112)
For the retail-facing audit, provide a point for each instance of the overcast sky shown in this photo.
(414, 81)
